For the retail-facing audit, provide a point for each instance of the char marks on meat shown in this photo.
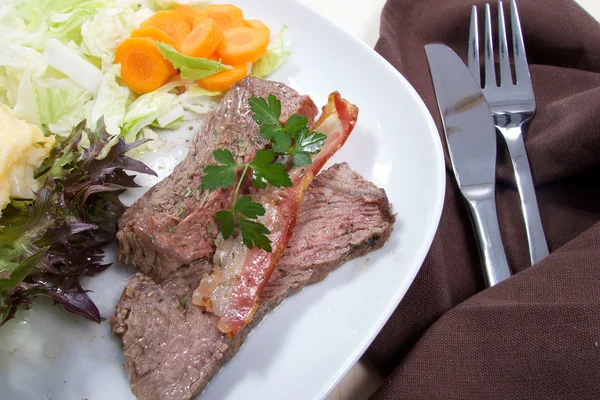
(173, 223)
(173, 348)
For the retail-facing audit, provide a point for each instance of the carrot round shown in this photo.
(143, 68)
(203, 40)
(186, 13)
(242, 44)
(154, 34)
(169, 22)
(223, 80)
(226, 15)
(256, 24)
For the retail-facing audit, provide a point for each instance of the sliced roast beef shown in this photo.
(173, 349)
(173, 223)
(240, 274)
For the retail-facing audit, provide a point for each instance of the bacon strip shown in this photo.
(239, 275)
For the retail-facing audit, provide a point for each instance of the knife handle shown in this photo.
(485, 219)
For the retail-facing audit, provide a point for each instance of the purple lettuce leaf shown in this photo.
(47, 246)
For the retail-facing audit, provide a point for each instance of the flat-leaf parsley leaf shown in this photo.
(266, 112)
(294, 139)
(249, 208)
(266, 171)
(220, 176)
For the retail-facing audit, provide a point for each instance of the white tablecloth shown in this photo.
(361, 18)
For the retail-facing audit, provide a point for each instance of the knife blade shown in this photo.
(471, 139)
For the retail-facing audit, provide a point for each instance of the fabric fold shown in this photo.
(535, 335)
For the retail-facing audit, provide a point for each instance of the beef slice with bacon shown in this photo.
(173, 348)
(232, 291)
(173, 223)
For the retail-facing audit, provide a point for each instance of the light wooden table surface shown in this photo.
(361, 19)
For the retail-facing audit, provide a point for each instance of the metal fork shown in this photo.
(513, 105)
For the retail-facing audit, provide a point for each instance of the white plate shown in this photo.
(303, 348)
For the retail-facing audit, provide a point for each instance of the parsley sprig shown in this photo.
(244, 210)
(294, 139)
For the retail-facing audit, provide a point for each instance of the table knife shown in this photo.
(471, 139)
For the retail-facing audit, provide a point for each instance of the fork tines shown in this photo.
(520, 59)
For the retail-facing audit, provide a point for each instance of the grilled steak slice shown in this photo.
(240, 274)
(173, 348)
(173, 223)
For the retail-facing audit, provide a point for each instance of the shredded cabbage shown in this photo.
(110, 102)
(107, 29)
(56, 64)
(197, 100)
(277, 53)
(147, 109)
(57, 67)
(75, 67)
(55, 97)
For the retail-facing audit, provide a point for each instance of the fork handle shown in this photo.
(538, 247)
(485, 219)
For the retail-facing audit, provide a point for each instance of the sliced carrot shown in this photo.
(143, 68)
(186, 13)
(154, 34)
(223, 80)
(226, 15)
(242, 44)
(256, 24)
(169, 22)
(203, 40)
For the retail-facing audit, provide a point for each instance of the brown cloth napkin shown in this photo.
(536, 335)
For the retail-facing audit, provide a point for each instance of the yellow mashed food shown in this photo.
(23, 147)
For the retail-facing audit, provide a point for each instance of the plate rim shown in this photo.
(436, 212)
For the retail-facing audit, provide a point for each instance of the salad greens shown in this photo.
(277, 53)
(56, 65)
(47, 245)
(191, 67)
